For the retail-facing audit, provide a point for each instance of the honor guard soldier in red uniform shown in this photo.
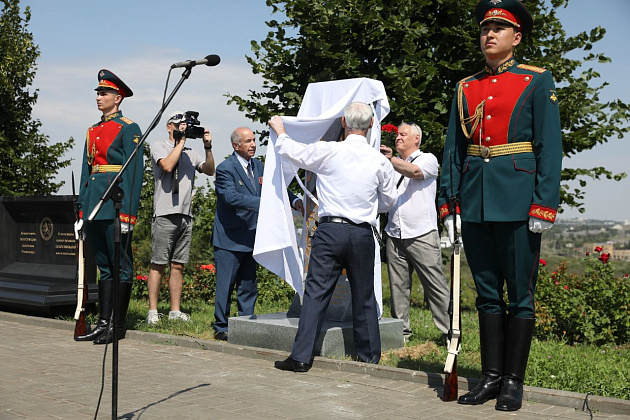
(109, 143)
(502, 161)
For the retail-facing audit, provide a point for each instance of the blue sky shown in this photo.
(139, 40)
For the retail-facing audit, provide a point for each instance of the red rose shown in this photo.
(388, 135)
(598, 249)
(389, 128)
(543, 262)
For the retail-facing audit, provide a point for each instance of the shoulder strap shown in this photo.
(402, 176)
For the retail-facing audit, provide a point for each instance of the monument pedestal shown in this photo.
(277, 331)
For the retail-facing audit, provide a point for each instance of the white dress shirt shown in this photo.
(415, 212)
(354, 180)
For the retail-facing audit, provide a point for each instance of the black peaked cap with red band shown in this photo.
(511, 11)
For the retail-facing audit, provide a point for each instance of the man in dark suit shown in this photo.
(238, 185)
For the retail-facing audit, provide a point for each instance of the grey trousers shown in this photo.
(423, 255)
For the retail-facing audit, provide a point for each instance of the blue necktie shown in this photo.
(250, 173)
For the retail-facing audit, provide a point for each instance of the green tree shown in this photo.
(28, 161)
(419, 49)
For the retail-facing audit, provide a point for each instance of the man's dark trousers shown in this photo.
(232, 265)
(336, 246)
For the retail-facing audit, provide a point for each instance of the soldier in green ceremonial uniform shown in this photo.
(502, 161)
(109, 143)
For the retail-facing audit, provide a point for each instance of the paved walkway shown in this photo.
(44, 374)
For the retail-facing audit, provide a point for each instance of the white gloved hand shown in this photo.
(538, 225)
(448, 224)
(125, 228)
(78, 230)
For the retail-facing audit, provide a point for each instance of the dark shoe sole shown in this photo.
(292, 366)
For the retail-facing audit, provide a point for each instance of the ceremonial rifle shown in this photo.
(80, 328)
(454, 334)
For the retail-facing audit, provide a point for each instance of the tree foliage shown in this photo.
(419, 49)
(28, 161)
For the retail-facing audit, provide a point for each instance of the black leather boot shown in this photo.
(519, 333)
(491, 340)
(124, 295)
(104, 310)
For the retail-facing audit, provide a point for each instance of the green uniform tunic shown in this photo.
(109, 143)
(503, 157)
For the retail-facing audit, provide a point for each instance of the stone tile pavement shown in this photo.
(44, 374)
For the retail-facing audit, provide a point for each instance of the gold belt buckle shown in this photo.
(95, 170)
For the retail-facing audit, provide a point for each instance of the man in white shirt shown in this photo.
(413, 242)
(172, 225)
(354, 184)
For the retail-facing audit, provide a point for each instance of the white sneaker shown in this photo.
(153, 318)
(178, 316)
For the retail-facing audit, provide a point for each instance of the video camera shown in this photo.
(193, 130)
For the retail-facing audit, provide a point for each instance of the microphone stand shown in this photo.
(116, 194)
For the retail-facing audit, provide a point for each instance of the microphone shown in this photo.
(210, 60)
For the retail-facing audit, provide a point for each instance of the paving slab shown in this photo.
(45, 374)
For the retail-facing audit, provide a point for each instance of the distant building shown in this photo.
(607, 248)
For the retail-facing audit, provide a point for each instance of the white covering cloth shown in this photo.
(276, 245)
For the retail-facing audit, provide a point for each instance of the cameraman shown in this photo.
(174, 167)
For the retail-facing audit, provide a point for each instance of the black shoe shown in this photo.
(221, 335)
(108, 335)
(511, 396)
(292, 365)
(487, 389)
(100, 328)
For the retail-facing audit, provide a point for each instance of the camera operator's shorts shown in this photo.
(171, 239)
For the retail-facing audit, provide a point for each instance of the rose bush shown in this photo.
(593, 308)
(200, 282)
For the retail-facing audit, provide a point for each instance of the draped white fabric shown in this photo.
(276, 246)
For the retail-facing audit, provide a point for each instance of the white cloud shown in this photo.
(67, 106)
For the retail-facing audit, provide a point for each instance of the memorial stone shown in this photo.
(38, 254)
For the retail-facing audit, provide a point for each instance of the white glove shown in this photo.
(448, 224)
(125, 228)
(538, 225)
(78, 230)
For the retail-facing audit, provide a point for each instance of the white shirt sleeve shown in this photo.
(311, 157)
(428, 165)
(387, 193)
